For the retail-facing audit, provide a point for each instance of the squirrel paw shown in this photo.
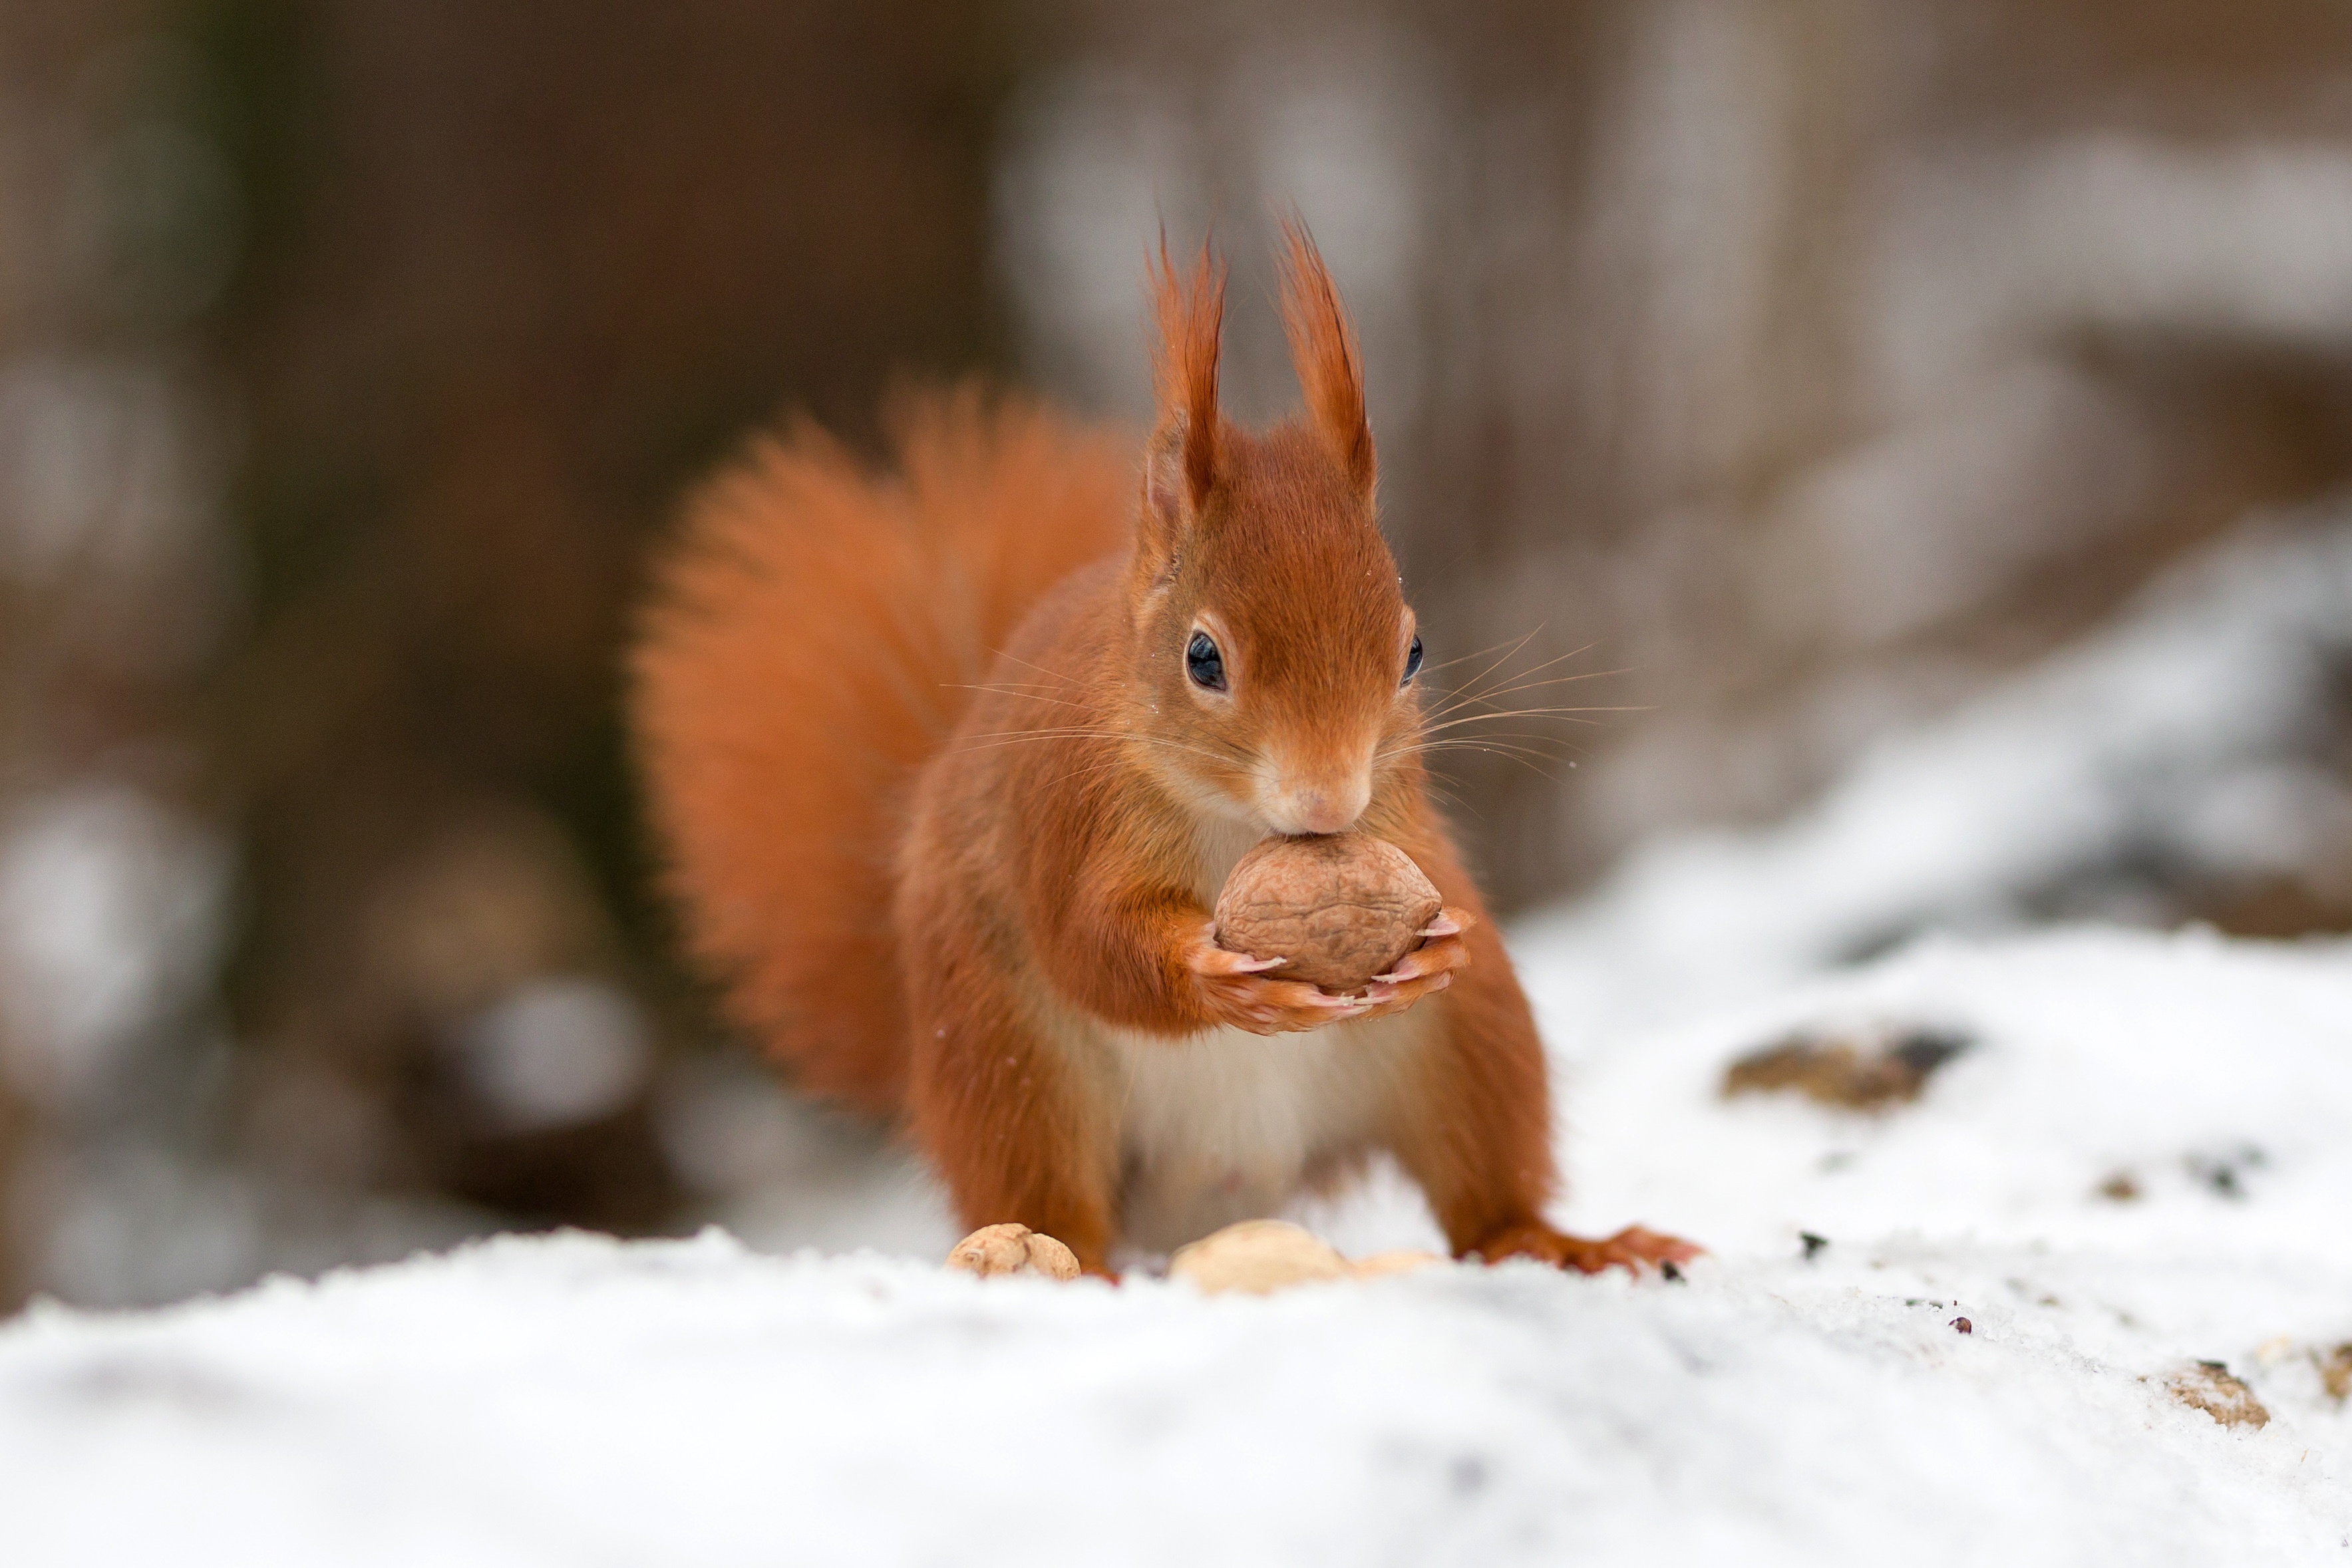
(1234, 989)
(1632, 1249)
(1428, 968)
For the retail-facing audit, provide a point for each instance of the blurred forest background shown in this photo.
(1816, 363)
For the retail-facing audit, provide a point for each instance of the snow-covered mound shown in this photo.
(571, 1400)
(2194, 738)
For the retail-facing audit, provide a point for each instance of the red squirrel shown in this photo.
(950, 765)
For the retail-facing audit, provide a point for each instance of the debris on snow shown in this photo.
(2335, 1370)
(1869, 1070)
(2210, 1386)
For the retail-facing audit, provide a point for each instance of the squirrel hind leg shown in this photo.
(1633, 1248)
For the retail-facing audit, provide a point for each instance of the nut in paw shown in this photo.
(1338, 910)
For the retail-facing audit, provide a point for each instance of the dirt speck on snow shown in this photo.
(1862, 1070)
(2335, 1372)
(2212, 1388)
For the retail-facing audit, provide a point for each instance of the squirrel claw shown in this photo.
(1386, 988)
(1206, 958)
(1234, 989)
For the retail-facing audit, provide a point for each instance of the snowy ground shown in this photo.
(2142, 1162)
(577, 1401)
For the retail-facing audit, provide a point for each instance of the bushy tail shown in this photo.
(814, 640)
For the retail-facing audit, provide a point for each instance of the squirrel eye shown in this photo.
(1411, 661)
(1204, 664)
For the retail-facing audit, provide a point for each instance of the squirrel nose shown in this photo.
(1325, 807)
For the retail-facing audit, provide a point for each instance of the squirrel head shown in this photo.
(1274, 655)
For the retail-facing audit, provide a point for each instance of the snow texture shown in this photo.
(2181, 737)
(575, 1400)
(2140, 1162)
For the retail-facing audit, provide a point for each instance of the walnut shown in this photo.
(1396, 1260)
(1257, 1256)
(1341, 908)
(994, 1249)
(1261, 1256)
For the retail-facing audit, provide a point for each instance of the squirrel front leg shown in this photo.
(1477, 1132)
(1478, 1136)
(1147, 958)
(1012, 1130)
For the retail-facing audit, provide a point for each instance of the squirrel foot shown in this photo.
(1632, 1249)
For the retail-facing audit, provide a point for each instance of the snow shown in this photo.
(571, 1399)
(2187, 735)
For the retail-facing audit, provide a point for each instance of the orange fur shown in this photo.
(815, 639)
(1191, 312)
(1323, 346)
(992, 907)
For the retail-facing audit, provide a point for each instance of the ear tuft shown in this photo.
(1323, 351)
(1191, 312)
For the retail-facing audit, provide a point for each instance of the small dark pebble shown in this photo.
(1813, 1244)
(1964, 1325)
(1674, 1275)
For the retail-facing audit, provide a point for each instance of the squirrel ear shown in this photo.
(1323, 351)
(1167, 500)
(1181, 464)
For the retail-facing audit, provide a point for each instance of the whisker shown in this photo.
(1465, 658)
(1539, 669)
(1057, 674)
(1562, 715)
(1081, 732)
(1516, 751)
(1451, 799)
(995, 738)
(1015, 738)
(1025, 693)
(1508, 756)
(1536, 669)
(1462, 695)
(1522, 739)
(1518, 686)
(1506, 656)
(1558, 718)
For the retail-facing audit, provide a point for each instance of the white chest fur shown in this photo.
(1226, 1125)
(1217, 843)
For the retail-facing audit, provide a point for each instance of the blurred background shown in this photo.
(1803, 371)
